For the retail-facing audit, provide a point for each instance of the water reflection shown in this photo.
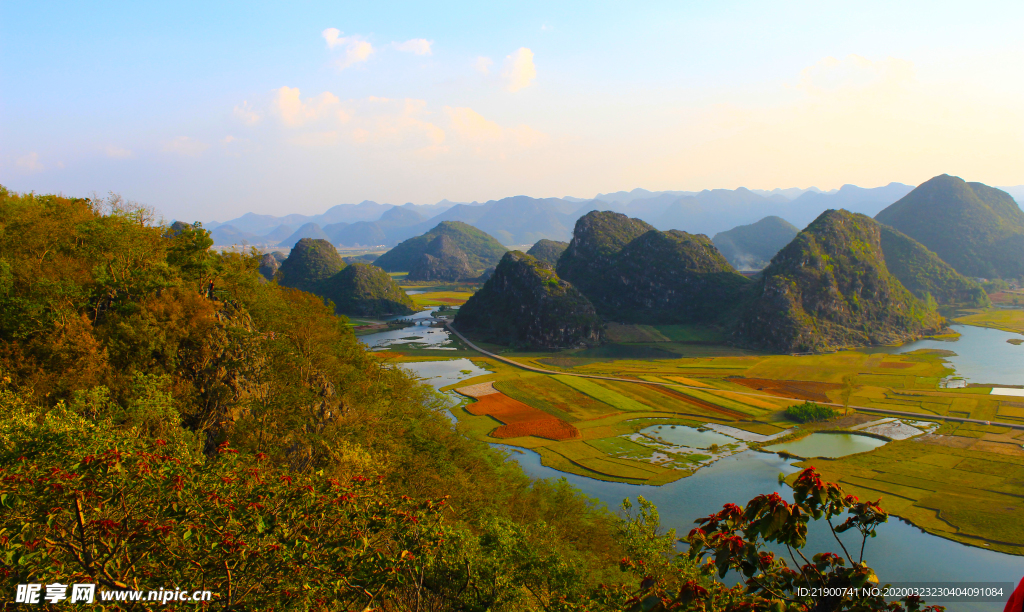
(828, 445)
(983, 355)
(900, 553)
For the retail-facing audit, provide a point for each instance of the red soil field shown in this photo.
(519, 419)
(797, 389)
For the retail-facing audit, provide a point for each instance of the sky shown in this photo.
(207, 110)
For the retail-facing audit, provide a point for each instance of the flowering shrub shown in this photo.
(135, 515)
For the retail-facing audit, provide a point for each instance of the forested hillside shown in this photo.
(259, 437)
(171, 419)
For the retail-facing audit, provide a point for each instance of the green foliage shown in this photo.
(927, 276)
(634, 273)
(548, 250)
(366, 291)
(809, 412)
(977, 229)
(480, 249)
(995, 285)
(830, 288)
(112, 348)
(525, 304)
(310, 262)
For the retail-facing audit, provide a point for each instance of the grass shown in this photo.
(554, 397)
(691, 333)
(964, 494)
(1006, 319)
(602, 393)
(619, 333)
(441, 298)
(964, 484)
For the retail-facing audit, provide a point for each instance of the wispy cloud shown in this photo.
(183, 145)
(419, 46)
(295, 112)
(244, 113)
(483, 64)
(357, 49)
(519, 70)
(474, 128)
(30, 163)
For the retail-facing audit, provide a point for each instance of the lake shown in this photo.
(983, 355)
(828, 445)
(900, 553)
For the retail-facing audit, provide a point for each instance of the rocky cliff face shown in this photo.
(635, 273)
(442, 261)
(830, 289)
(671, 277)
(366, 291)
(598, 237)
(269, 265)
(526, 305)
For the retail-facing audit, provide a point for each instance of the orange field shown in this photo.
(797, 389)
(518, 418)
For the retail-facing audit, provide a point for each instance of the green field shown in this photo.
(968, 492)
(1006, 319)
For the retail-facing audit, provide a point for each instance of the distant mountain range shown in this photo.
(522, 220)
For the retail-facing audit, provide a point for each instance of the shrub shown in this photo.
(809, 412)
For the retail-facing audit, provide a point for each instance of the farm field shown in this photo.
(963, 487)
(590, 426)
(1006, 319)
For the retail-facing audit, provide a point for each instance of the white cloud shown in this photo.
(419, 46)
(472, 127)
(246, 114)
(519, 69)
(115, 152)
(30, 163)
(294, 112)
(357, 49)
(483, 64)
(396, 122)
(332, 36)
(183, 145)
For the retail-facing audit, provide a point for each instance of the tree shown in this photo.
(734, 539)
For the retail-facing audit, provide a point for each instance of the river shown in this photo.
(900, 553)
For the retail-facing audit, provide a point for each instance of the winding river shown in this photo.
(900, 553)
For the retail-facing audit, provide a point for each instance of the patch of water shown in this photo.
(439, 374)
(828, 445)
(983, 355)
(900, 553)
(686, 436)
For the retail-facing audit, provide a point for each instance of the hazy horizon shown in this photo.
(208, 112)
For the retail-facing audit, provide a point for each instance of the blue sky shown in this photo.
(206, 112)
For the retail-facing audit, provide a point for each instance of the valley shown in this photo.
(626, 410)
